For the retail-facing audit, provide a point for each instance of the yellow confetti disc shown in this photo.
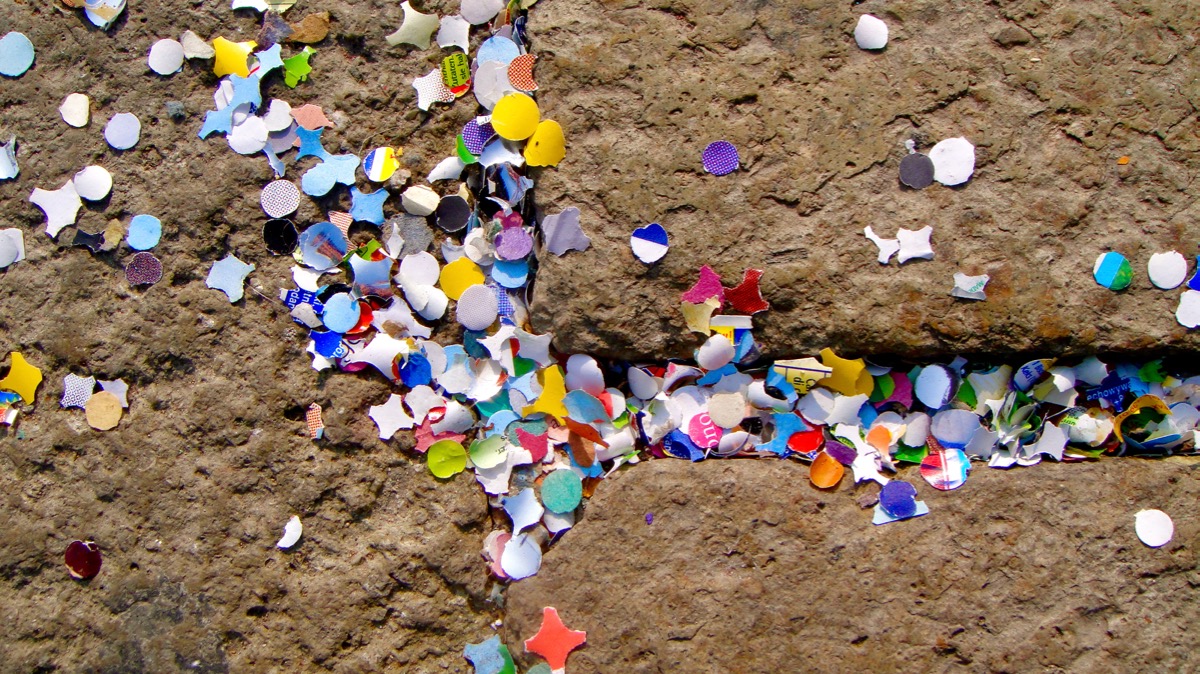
(547, 146)
(103, 411)
(458, 276)
(515, 116)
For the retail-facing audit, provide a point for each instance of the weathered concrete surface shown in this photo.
(747, 568)
(187, 497)
(1050, 93)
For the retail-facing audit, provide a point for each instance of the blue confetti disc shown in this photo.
(720, 158)
(16, 54)
(144, 232)
(898, 499)
(341, 313)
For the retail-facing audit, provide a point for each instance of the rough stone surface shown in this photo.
(746, 568)
(188, 496)
(1051, 94)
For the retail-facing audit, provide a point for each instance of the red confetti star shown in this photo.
(554, 641)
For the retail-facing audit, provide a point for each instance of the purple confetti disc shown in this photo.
(720, 158)
(513, 243)
(476, 135)
(898, 499)
(143, 270)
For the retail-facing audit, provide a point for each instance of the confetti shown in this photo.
(870, 33)
(16, 54)
(720, 158)
(229, 276)
(143, 269)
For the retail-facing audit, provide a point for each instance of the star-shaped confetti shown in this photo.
(76, 390)
(311, 117)
(118, 388)
(318, 180)
(22, 378)
(61, 206)
(269, 59)
(554, 641)
(382, 352)
(228, 276)
(310, 143)
(746, 298)
(368, 207)
(416, 29)
(390, 417)
(431, 89)
(535, 347)
(231, 57)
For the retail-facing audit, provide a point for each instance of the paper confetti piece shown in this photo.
(870, 33)
(104, 411)
(515, 116)
(12, 246)
(165, 57)
(76, 110)
(1112, 271)
(416, 29)
(16, 54)
(649, 243)
(1154, 528)
(231, 57)
(76, 391)
(314, 422)
(83, 559)
(746, 298)
(520, 72)
(916, 171)
(720, 158)
(229, 276)
(547, 146)
(123, 131)
(563, 232)
(953, 161)
(22, 378)
(292, 531)
(61, 206)
(970, 287)
(914, 245)
(553, 641)
(446, 458)
(1167, 270)
(280, 198)
(431, 89)
(707, 286)
(143, 269)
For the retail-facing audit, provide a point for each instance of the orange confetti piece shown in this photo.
(1122, 161)
(554, 641)
(825, 472)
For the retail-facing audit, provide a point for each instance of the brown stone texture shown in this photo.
(187, 497)
(747, 568)
(1052, 94)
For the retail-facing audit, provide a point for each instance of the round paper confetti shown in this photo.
(562, 490)
(1188, 311)
(75, 110)
(870, 32)
(144, 232)
(703, 431)
(16, 54)
(323, 245)
(727, 409)
(953, 161)
(280, 236)
(720, 158)
(446, 458)
(1154, 527)
(515, 116)
(103, 411)
(123, 131)
(1112, 271)
(83, 559)
(936, 385)
(452, 213)
(341, 313)
(1167, 270)
(649, 243)
(143, 270)
(380, 164)
(166, 57)
(279, 198)
(510, 275)
(477, 308)
(459, 275)
(547, 146)
(513, 243)
(916, 171)
(945, 470)
(93, 183)
(825, 471)
(898, 499)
